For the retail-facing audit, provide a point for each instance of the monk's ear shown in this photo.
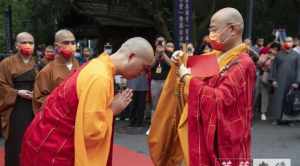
(55, 44)
(131, 55)
(16, 44)
(235, 29)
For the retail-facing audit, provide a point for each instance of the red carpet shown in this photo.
(1, 156)
(121, 157)
(125, 157)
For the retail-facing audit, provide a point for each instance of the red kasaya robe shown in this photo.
(220, 115)
(74, 126)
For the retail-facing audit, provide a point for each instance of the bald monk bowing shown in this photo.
(17, 73)
(74, 126)
(57, 70)
(214, 128)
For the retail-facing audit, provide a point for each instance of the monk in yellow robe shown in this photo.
(74, 126)
(213, 126)
(56, 71)
(17, 73)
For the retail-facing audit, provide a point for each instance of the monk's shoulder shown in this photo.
(10, 60)
(96, 70)
(245, 58)
(75, 62)
(46, 70)
(242, 68)
(245, 61)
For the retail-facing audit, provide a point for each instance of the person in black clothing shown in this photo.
(139, 88)
(160, 69)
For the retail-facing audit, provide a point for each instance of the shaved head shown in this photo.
(229, 16)
(64, 35)
(24, 36)
(24, 44)
(140, 47)
(135, 57)
(226, 26)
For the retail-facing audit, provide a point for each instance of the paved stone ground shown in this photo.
(269, 141)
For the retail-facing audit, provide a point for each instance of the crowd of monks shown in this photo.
(63, 114)
(24, 86)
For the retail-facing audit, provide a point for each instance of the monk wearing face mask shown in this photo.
(49, 55)
(285, 77)
(210, 122)
(17, 73)
(57, 70)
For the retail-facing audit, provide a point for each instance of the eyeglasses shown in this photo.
(73, 42)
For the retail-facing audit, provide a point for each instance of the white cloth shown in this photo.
(69, 66)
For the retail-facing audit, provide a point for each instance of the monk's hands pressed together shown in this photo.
(121, 101)
(26, 94)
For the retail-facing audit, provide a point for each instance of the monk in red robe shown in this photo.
(220, 106)
(74, 126)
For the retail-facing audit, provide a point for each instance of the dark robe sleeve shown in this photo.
(7, 92)
(220, 116)
(298, 69)
(273, 71)
(42, 88)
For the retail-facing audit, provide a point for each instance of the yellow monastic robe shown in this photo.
(94, 118)
(163, 140)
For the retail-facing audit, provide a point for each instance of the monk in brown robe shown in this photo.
(57, 70)
(17, 73)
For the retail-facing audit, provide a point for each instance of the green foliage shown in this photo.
(39, 17)
(47, 17)
(21, 17)
(44, 17)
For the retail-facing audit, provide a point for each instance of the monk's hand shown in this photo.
(26, 94)
(121, 101)
(183, 71)
(175, 57)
